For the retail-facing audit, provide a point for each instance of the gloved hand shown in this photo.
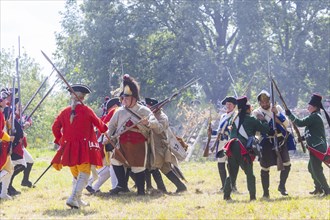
(108, 147)
(288, 112)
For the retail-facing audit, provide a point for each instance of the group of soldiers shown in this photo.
(131, 140)
(244, 134)
(139, 128)
(14, 156)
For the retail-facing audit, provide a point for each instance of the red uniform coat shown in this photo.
(4, 145)
(78, 142)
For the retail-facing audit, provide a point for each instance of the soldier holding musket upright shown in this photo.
(285, 143)
(316, 141)
(239, 153)
(222, 137)
(133, 143)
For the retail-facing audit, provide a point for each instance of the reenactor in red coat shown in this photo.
(6, 166)
(73, 130)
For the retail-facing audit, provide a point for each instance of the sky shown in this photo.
(35, 23)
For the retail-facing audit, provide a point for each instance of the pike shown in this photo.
(36, 92)
(294, 126)
(62, 77)
(41, 101)
(279, 160)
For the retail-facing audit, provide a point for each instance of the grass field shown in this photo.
(201, 201)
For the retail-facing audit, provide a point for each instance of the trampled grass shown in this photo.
(201, 201)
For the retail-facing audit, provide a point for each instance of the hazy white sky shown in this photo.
(35, 21)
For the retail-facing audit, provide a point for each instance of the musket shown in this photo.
(279, 160)
(294, 126)
(209, 134)
(19, 84)
(159, 105)
(34, 184)
(232, 80)
(62, 77)
(34, 95)
(248, 85)
(220, 133)
(41, 101)
(12, 123)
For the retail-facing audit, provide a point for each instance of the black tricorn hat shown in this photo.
(242, 102)
(263, 94)
(229, 99)
(9, 90)
(151, 101)
(130, 87)
(316, 100)
(80, 88)
(114, 101)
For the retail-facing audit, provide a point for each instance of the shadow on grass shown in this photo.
(68, 212)
(284, 198)
(131, 197)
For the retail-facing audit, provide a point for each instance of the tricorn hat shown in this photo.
(316, 100)
(4, 94)
(151, 101)
(9, 90)
(242, 102)
(130, 87)
(114, 101)
(80, 88)
(263, 95)
(229, 99)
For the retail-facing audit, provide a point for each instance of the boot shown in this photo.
(82, 180)
(140, 180)
(252, 197)
(227, 189)
(27, 171)
(265, 183)
(74, 201)
(4, 188)
(316, 191)
(148, 180)
(121, 177)
(11, 190)
(223, 174)
(283, 177)
(180, 187)
(159, 180)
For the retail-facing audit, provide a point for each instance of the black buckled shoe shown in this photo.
(316, 191)
(283, 191)
(90, 189)
(26, 183)
(116, 190)
(13, 192)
